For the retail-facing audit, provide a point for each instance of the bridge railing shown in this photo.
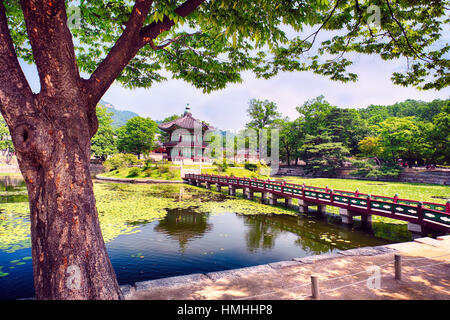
(404, 209)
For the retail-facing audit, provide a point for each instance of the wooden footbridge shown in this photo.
(422, 217)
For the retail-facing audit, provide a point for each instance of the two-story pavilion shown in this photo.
(185, 141)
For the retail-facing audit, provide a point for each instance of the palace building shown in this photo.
(185, 139)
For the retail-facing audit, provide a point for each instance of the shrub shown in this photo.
(222, 167)
(170, 175)
(147, 172)
(251, 166)
(368, 169)
(162, 168)
(134, 172)
(120, 160)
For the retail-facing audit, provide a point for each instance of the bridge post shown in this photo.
(248, 194)
(288, 202)
(231, 190)
(218, 187)
(302, 206)
(346, 215)
(366, 221)
(208, 185)
(264, 196)
(322, 210)
(272, 198)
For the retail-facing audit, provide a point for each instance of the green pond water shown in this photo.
(156, 231)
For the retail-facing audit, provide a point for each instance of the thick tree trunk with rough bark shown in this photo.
(69, 256)
(52, 132)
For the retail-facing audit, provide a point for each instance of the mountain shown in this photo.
(119, 117)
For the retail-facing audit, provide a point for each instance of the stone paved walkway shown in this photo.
(347, 275)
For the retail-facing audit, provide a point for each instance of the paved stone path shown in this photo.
(345, 275)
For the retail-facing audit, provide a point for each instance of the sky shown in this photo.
(227, 109)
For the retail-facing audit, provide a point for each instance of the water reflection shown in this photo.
(184, 226)
(313, 236)
(261, 233)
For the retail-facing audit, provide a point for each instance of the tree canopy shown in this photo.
(137, 136)
(208, 43)
(103, 142)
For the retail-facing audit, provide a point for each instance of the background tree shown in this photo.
(291, 138)
(103, 142)
(421, 110)
(5, 138)
(206, 43)
(262, 114)
(371, 147)
(396, 137)
(163, 135)
(439, 137)
(322, 155)
(137, 136)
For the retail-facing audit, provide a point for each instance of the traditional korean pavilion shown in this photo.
(185, 140)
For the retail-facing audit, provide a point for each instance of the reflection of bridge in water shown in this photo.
(423, 217)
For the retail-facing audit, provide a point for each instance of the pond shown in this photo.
(156, 231)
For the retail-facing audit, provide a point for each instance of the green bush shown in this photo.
(134, 172)
(148, 163)
(222, 167)
(162, 168)
(120, 160)
(368, 169)
(251, 166)
(147, 172)
(170, 175)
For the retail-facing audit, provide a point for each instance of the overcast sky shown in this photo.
(226, 109)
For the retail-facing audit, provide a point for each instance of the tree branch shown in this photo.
(154, 29)
(51, 42)
(14, 88)
(414, 51)
(130, 42)
(167, 42)
(121, 53)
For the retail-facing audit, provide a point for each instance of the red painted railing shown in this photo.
(428, 214)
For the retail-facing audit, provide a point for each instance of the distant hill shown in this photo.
(119, 117)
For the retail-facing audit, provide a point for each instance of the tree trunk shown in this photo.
(51, 132)
(69, 255)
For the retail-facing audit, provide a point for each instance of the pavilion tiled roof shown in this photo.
(187, 121)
